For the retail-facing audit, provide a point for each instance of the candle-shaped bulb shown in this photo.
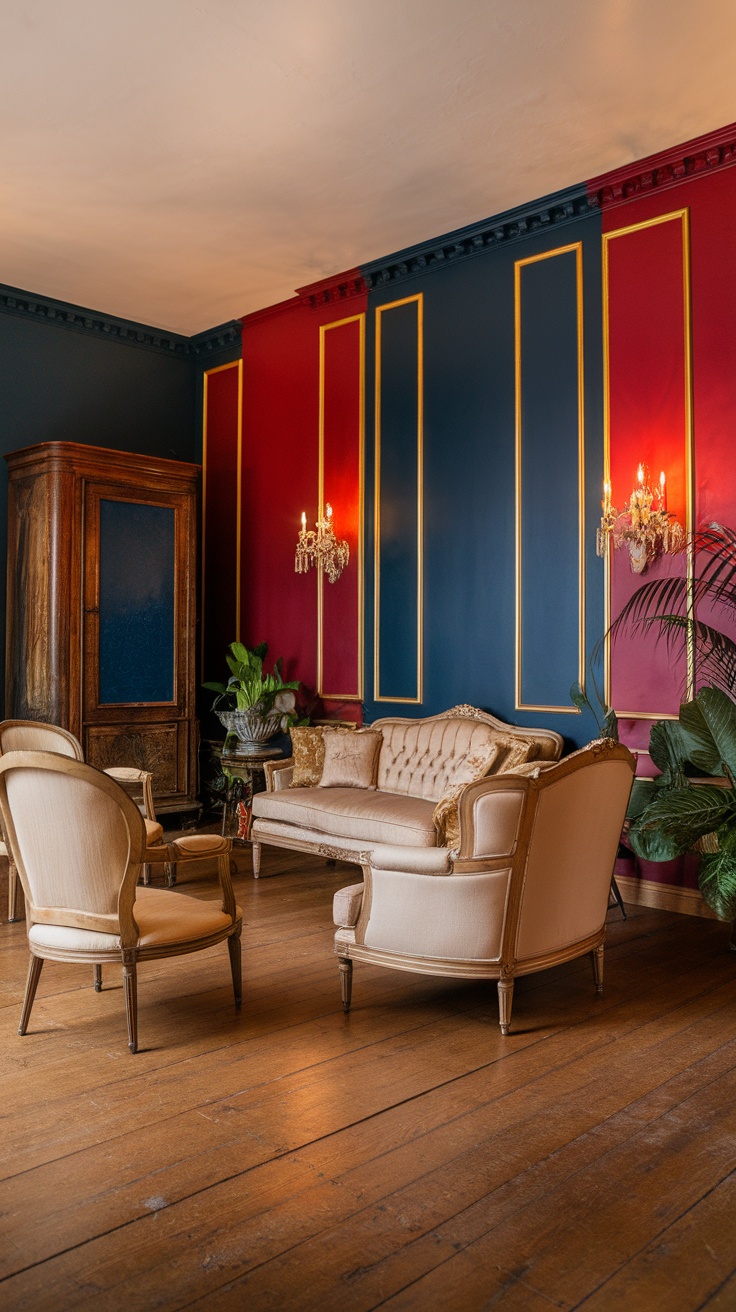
(328, 510)
(640, 473)
(662, 491)
(662, 480)
(304, 519)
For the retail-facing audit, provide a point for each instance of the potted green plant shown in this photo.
(253, 705)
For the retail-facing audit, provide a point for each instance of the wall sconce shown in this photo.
(646, 527)
(319, 546)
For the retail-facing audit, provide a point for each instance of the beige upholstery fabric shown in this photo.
(271, 831)
(161, 916)
(362, 814)
(308, 751)
(447, 918)
(496, 821)
(346, 905)
(427, 758)
(38, 738)
(568, 874)
(197, 845)
(165, 917)
(350, 758)
(91, 856)
(418, 860)
(154, 832)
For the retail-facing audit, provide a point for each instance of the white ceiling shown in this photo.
(183, 162)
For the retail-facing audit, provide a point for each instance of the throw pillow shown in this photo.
(476, 765)
(308, 752)
(350, 758)
(518, 750)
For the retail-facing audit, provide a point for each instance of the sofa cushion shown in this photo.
(427, 758)
(362, 814)
(350, 758)
(308, 751)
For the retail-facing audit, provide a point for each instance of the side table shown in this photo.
(245, 776)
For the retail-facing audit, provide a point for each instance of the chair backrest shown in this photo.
(77, 839)
(576, 821)
(32, 736)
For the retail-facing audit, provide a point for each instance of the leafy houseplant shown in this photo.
(677, 812)
(252, 704)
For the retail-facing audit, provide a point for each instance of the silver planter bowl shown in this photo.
(253, 729)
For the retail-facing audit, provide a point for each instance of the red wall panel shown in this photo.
(280, 479)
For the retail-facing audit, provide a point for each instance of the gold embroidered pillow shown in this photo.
(518, 751)
(308, 752)
(351, 758)
(476, 765)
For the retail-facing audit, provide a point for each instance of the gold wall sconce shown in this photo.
(646, 528)
(318, 546)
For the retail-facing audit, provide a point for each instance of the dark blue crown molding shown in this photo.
(44, 309)
(551, 211)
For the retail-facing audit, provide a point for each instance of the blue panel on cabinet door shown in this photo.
(399, 498)
(136, 602)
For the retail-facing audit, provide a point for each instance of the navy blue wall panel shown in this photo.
(398, 365)
(547, 491)
(469, 481)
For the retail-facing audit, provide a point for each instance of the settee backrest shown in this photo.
(422, 757)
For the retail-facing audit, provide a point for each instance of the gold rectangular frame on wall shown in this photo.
(234, 364)
(577, 248)
(378, 696)
(683, 217)
(324, 329)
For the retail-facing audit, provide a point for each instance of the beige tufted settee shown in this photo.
(423, 769)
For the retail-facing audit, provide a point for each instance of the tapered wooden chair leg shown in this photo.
(12, 891)
(346, 981)
(170, 873)
(256, 851)
(130, 983)
(505, 1003)
(98, 978)
(596, 958)
(34, 973)
(233, 947)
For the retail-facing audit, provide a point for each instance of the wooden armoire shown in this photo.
(101, 606)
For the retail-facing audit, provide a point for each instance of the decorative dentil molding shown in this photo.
(331, 291)
(513, 225)
(716, 150)
(44, 309)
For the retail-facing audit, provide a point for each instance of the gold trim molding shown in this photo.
(233, 364)
(683, 217)
(378, 696)
(577, 248)
(324, 329)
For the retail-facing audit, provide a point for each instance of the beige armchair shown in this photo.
(32, 736)
(79, 842)
(528, 890)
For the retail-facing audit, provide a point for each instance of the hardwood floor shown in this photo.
(405, 1157)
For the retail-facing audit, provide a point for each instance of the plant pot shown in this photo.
(252, 729)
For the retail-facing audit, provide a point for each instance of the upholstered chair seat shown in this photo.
(537, 896)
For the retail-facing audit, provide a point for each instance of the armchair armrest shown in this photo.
(346, 906)
(278, 774)
(491, 812)
(412, 860)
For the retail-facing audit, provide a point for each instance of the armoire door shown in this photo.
(137, 633)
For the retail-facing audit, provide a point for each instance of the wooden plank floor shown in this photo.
(406, 1157)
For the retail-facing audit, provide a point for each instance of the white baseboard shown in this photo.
(664, 897)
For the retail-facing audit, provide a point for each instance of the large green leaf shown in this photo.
(717, 879)
(709, 731)
(643, 793)
(675, 821)
(668, 752)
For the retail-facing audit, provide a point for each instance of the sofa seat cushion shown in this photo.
(362, 814)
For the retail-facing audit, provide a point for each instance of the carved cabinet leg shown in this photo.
(505, 1003)
(233, 947)
(98, 977)
(256, 849)
(130, 983)
(34, 972)
(346, 981)
(596, 958)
